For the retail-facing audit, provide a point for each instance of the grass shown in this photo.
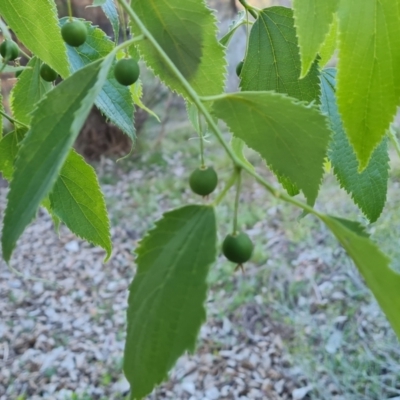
(305, 279)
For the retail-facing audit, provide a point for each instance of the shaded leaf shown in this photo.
(273, 60)
(238, 146)
(368, 88)
(77, 200)
(55, 125)
(137, 93)
(35, 23)
(291, 137)
(373, 265)
(313, 19)
(111, 12)
(368, 189)
(186, 31)
(114, 100)
(29, 89)
(166, 300)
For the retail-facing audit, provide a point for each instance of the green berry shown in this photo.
(238, 248)
(239, 68)
(47, 73)
(126, 71)
(74, 33)
(9, 50)
(203, 181)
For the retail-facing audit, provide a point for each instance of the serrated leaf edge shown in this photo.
(106, 246)
(109, 58)
(223, 48)
(295, 102)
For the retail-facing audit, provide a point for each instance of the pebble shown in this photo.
(300, 393)
(72, 246)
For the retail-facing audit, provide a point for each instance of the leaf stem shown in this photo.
(237, 198)
(228, 185)
(129, 42)
(203, 109)
(249, 8)
(203, 165)
(12, 120)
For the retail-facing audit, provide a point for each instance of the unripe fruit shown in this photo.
(239, 68)
(74, 33)
(9, 50)
(126, 71)
(47, 73)
(203, 181)
(238, 248)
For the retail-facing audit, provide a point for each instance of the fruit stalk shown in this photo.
(237, 199)
(201, 136)
(69, 10)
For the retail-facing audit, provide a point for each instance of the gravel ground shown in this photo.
(64, 339)
(57, 340)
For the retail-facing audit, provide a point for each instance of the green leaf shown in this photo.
(289, 186)
(368, 89)
(114, 100)
(166, 297)
(8, 151)
(111, 12)
(368, 189)
(29, 89)
(238, 146)
(290, 136)
(35, 23)
(313, 19)
(78, 201)
(55, 125)
(186, 30)
(233, 27)
(273, 60)
(56, 221)
(372, 264)
(137, 93)
(329, 46)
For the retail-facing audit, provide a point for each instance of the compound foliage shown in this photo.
(292, 110)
